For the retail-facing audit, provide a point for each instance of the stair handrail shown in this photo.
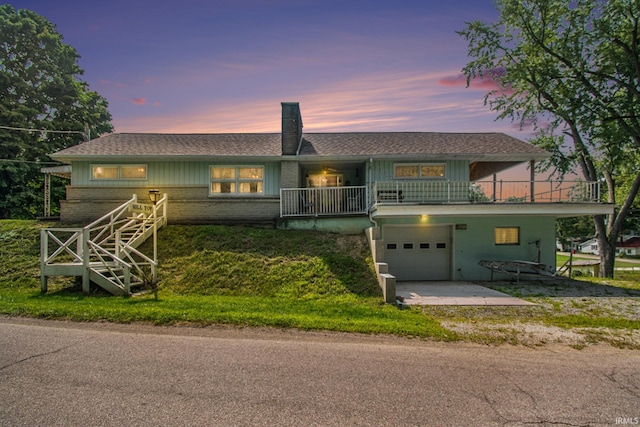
(114, 218)
(127, 251)
(99, 251)
(140, 227)
(89, 254)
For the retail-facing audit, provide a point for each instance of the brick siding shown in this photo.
(186, 205)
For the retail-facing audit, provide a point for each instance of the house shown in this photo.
(589, 247)
(430, 202)
(630, 247)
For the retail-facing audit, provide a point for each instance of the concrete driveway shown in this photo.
(453, 293)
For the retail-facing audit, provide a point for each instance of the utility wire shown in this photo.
(30, 162)
(42, 130)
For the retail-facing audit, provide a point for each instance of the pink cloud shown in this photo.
(374, 102)
(139, 101)
(453, 81)
(486, 82)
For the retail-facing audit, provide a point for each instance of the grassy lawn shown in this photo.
(223, 275)
(308, 280)
(620, 263)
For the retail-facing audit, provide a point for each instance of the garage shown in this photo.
(418, 252)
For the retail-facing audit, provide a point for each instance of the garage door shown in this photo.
(418, 253)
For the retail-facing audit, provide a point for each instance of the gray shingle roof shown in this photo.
(398, 143)
(352, 144)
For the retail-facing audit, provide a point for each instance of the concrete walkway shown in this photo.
(453, 293)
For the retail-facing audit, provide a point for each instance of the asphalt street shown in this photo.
(75, 374)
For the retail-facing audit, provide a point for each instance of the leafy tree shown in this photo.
(40, 89)
(574, 227)
(572, 69)
(477, 194)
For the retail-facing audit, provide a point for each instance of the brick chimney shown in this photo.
(291, 128)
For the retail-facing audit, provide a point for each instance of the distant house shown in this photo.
(429, 201)
(630, 246)
(589, 247)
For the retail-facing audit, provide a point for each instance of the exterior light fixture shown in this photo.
(154, 196)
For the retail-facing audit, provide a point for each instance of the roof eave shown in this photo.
(518, 157)
(413, 156)
(161, 158)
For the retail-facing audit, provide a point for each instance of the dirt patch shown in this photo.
(533, 335)
(354, 245)
(565, 313)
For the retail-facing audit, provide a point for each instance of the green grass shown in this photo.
(223, 275)
(307, 280)
(561, 259)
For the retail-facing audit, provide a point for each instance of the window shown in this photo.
(104, 172)
(407, 171)
(133, 172)
(238, 180)
(118, 172)
(507, 235)
(432, 171)
(419, 171)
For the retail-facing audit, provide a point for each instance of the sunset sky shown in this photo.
(225, 65)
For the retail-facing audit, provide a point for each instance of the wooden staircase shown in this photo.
(105, 252)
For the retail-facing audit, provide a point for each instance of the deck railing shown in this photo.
(107, 245)
(323, 201)
(392, 192)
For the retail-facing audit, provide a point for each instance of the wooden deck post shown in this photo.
(86, 280)
(43, 257)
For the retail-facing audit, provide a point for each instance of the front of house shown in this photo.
(430, 202)
(629, 247)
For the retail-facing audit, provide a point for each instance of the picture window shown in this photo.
(118, 172)
(419, 171)
(237, 180)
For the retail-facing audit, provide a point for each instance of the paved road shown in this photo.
(66, 374)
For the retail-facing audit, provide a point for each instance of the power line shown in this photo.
(42, 130)
(30, 162)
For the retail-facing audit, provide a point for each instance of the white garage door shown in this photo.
(418, 253)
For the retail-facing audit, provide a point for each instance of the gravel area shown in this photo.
(546, 323)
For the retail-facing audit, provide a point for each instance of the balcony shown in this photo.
(339, 201)
(326, 201)
(436, 192)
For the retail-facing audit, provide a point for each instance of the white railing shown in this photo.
(104, 261)
(323, 201)
(138, 262)
(356, 200)
(392, 192)
(60, 245)
(107, 244)
(105, 227)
